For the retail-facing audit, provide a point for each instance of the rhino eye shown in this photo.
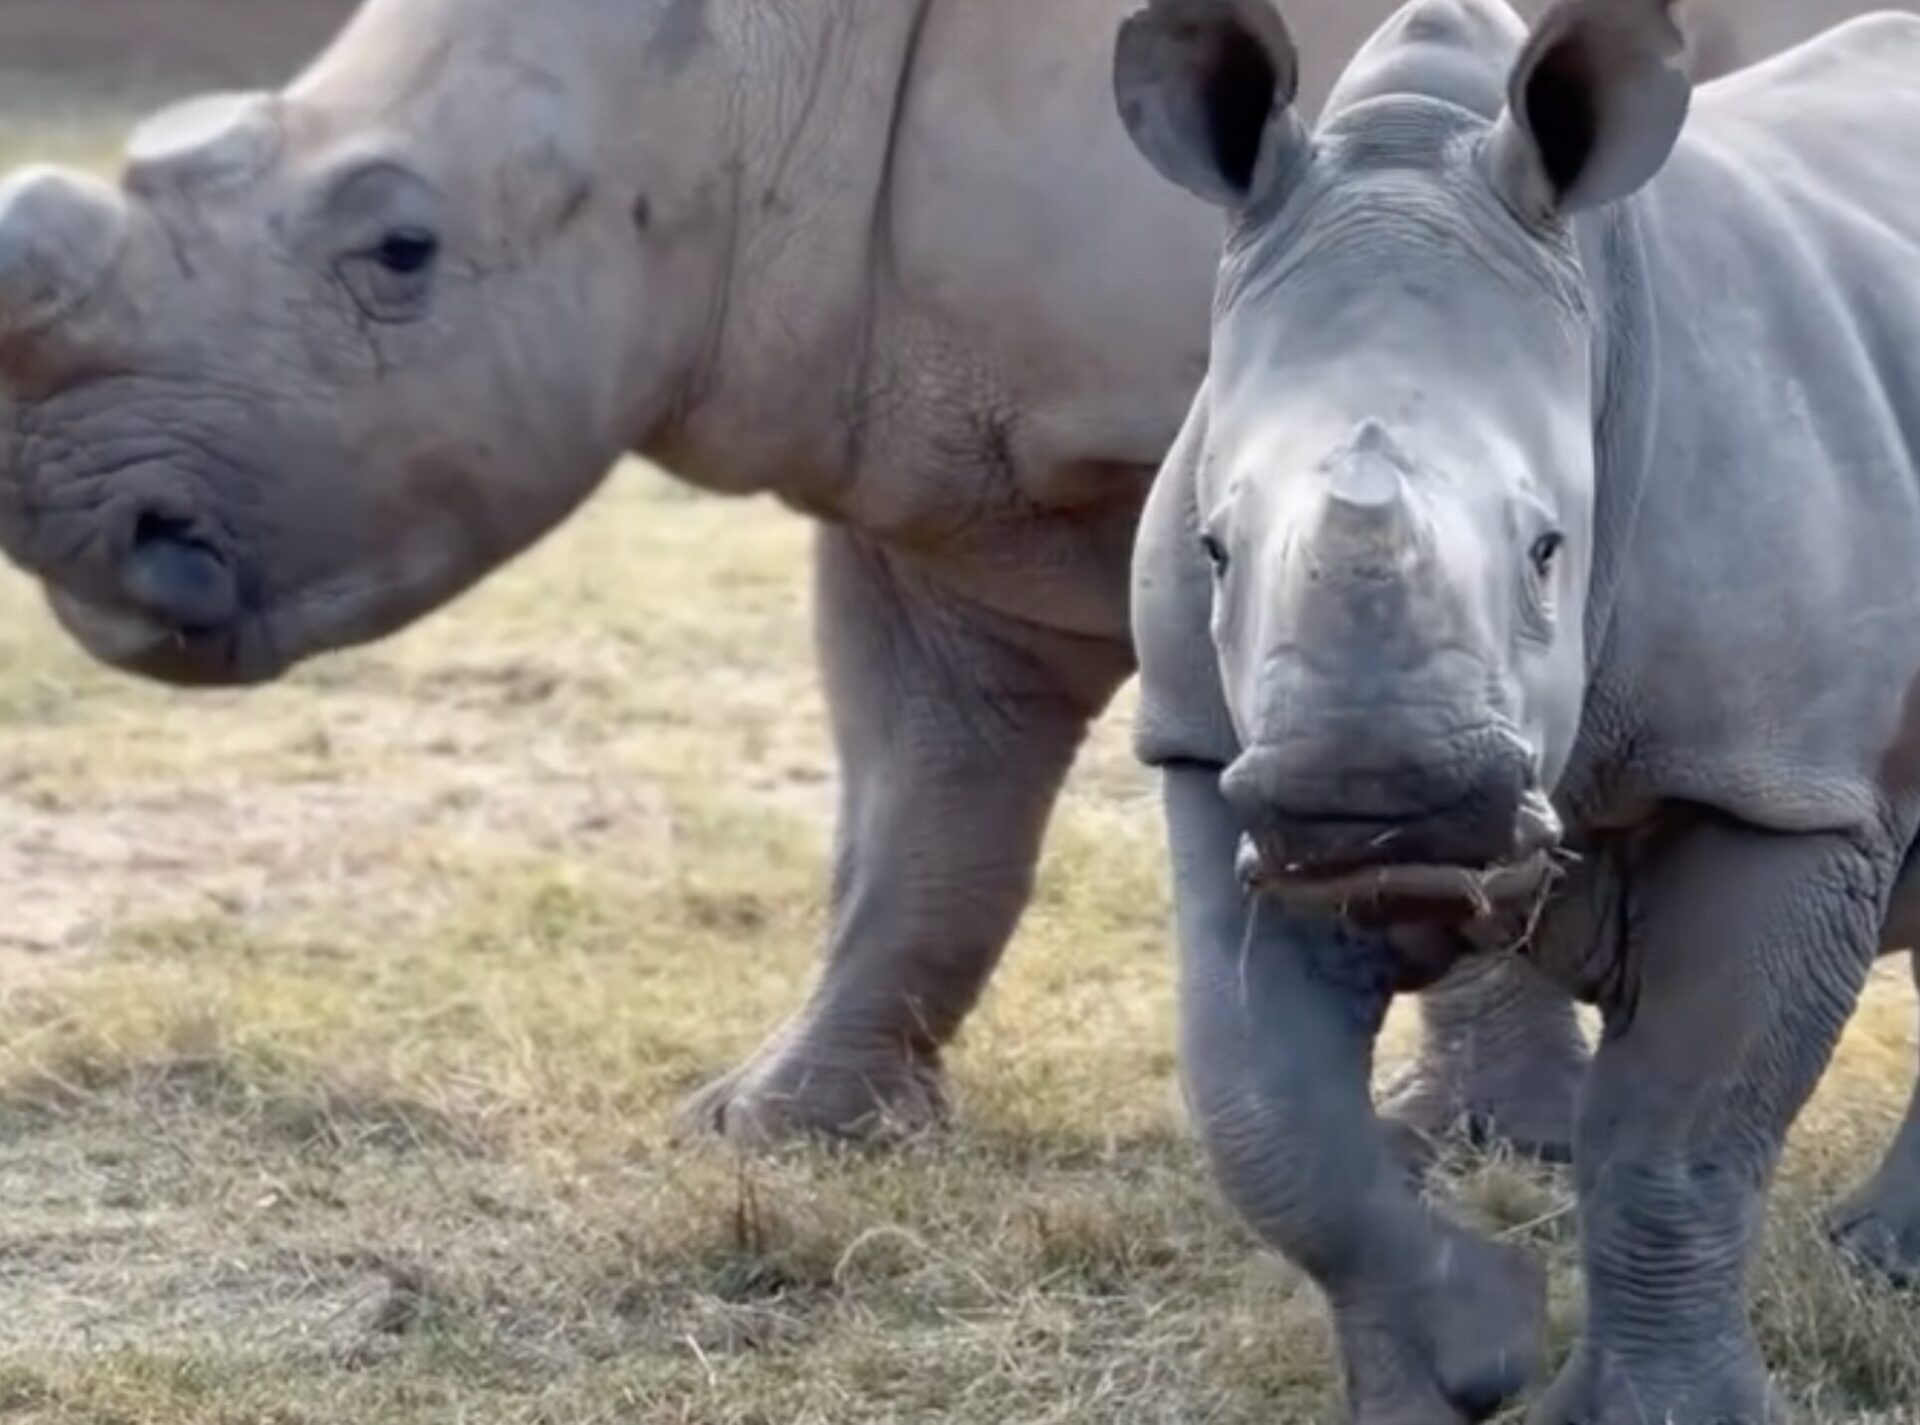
(407, 251)
(1545, 550)
(391, 281)
(1216, 553)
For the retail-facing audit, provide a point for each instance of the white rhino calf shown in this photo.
(325, 357)
(1554, 484)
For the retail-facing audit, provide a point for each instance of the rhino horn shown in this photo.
(61, 234)
(1366, 524)
(217, 140)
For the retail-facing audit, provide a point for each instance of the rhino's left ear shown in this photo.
(1206, 89)
(1595, 104)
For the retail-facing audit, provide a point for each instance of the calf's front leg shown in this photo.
(1746, 954)
(1278, 1019)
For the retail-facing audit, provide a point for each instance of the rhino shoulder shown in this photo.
(1182, 712)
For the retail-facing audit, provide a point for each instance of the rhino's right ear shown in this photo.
(1206, 89)
(1595, 105)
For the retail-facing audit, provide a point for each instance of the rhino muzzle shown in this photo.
(171, 575)
(1407, 848)
(168, 602)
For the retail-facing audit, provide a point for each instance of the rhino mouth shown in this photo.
(235, 654)
(1388, 893)
(1403, 892)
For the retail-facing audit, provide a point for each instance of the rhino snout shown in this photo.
(161, 595)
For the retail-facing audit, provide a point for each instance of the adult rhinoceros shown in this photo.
(1554, 480)
(324, 358)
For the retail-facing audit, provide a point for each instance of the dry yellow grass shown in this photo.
(342, 1025)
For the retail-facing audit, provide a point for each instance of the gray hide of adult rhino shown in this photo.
(321, 359)
(1553, 490)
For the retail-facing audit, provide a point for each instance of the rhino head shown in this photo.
(321, 358)
(1396, 483)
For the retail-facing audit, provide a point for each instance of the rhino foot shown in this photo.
(791, 1091)
(1527, 1108)
(1455, 1350)
(1880, 1230)
(1724, 1387)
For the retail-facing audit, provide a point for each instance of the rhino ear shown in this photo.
(1595, 104)
(1206, 89)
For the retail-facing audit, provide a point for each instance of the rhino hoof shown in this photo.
(1531, 1116)
(783, 1095)
(1882, 1238)
(1491, 1337)
(1629, 1409)
(1455, 1352)
(1726, 1384)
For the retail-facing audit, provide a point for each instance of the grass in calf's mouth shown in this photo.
(1469, 895)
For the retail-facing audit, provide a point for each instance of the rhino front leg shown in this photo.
(1880, 1224)
(1501, 1061)
(955, 729)
(1747, 956)
(1278, 1018)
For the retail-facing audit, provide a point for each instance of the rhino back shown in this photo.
(1030, 241)
(1732, 33)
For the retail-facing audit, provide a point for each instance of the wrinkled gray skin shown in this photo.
(1546, 451)
(830, 250)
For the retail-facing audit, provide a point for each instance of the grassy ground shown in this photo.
(342, 1024)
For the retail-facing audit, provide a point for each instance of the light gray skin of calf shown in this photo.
(836, 252)
(1723, 705)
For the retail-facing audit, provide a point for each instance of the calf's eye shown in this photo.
(1545, 550)
(407, 251)
(1216, 553)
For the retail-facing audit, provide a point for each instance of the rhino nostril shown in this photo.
(178, 578)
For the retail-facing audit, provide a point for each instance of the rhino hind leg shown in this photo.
(1501, 1061)
(955, 730)
(1879, 1226)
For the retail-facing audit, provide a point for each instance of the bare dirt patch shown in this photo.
(72, 878)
